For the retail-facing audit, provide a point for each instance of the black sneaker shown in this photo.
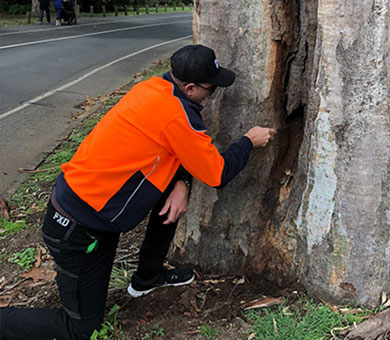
(168, 278)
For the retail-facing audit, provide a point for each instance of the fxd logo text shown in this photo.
(61, 219)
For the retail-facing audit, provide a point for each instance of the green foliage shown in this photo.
(110, 328)
(7, 5)
(51, 169)
(25, 259)
(60, 157)
(8, 227)
(208, 332)
(18, 9)
(156, 331)
(307, 321)
(159, 68)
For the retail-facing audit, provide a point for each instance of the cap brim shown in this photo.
(224, 78)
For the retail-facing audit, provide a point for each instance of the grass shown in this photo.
(7, 20)
(306, 320)
(24, 259)
(208, 332)
(120, 277)
(9, 227)
(155, 332)
(142, 11)
(159, 67)
(110, 328)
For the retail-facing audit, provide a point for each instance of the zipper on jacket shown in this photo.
(135, 191)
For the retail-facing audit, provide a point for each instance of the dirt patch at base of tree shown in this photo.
(211, 301)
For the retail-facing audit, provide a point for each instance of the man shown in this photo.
(140, 156)
(44, 7)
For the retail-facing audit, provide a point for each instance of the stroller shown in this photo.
(68, 13)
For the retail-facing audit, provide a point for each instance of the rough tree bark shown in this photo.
(314, 206)
(34, 7)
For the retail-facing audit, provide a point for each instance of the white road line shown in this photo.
(63, 87)
(96, 23)
(88, 34)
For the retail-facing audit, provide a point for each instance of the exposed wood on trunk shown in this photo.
(313, 206)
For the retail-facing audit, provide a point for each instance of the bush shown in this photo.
(18, 9)
(6, 5)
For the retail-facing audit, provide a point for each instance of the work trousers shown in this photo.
(84, 259)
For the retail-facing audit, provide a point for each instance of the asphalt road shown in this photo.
(47, 72)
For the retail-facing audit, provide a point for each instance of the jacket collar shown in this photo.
(179, 93)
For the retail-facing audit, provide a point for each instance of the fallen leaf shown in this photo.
(340, 331)
(37, 257)
(350, 311)
(40, 274)
(3, 283)
(286, 311)
(117, 92)
(239, 281)
(263, 302)
(332, 308)
(214, 282)
(384, 298)
(375, 328)
(275, 327)
(252, 336)
(4, 209)
(5, 300)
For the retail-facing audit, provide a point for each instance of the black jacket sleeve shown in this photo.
(236, 157)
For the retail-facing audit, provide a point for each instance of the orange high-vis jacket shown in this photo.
(121, 168)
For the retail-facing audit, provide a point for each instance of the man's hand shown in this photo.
(176, 204)
(260, 136)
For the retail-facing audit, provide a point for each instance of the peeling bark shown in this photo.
(235, 230)
(34, 7)
(313, 206)
(345, 203)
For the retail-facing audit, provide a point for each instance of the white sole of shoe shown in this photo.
(138, 293)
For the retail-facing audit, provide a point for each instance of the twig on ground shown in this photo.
(29, 171)
(239, 282)
(28, 302)
(125, 257)
(13, 286)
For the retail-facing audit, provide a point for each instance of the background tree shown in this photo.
(314, 206)
(34, 7)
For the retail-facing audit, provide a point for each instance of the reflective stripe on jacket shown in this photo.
(129, 158)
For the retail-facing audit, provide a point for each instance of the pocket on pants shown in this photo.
(68, 285)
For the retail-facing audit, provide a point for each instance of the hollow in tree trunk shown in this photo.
(313, 206)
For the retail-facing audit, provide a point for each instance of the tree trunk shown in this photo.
(34, 8)
(312, 206)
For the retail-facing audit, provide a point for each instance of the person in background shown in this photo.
(58, 7)
(44, 7)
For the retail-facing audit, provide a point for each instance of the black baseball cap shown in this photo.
(198, 64)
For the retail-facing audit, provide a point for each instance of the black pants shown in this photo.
(82, 278)
(47, 10)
